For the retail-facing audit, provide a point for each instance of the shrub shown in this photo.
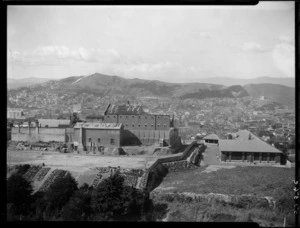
(61, 191)
(19, 192)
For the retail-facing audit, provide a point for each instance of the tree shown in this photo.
(19, 192)
(79, 206)
(60, 192)
(112, 200)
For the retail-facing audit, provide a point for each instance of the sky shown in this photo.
(168, 43)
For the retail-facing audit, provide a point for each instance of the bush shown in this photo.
(79, 206)
(60, 191)
(111, 200)
(19, 192)
(22, 169)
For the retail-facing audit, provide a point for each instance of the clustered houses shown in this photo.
(246, 147)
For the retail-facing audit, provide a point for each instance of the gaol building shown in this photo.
(141, 127)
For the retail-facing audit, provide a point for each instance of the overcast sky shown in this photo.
(170, 43)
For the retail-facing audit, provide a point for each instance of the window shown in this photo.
(126, 117)
(120, 117)
(256, 157)
(151, 125)
(114, 116)
(145, 117)
(132, 117)
(152, 117)
(90, 139)
(99, 140)
(132, 125)
(126, 125)
(165, 126)
(139, 125)
(264, 157)
(145, 125)
(112, 141)
(272, 157)
(157, 125)
(236, 156)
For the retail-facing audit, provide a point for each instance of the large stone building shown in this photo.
(135, 118)
(246, 147)
(141, 127)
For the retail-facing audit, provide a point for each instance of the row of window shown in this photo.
(112, 141)
(146, 125)
(152, 117)
(256, 156)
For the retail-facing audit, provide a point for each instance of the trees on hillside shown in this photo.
(110, 200)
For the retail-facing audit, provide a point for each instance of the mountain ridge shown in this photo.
(106, 85)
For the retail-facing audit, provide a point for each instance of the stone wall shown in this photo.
(38, 134)
(162, 166)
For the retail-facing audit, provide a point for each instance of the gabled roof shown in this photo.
(90, 125)
(211, 136)
(125, 110)
(254, 145)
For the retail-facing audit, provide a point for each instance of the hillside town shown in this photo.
(273, 122)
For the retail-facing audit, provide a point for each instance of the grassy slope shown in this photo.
(259, 181)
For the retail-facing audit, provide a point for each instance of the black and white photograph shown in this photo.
(158, 113)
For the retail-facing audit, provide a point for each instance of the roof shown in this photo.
(244, 143)
(125, 110)
(244, 135)
(90, 125)
(254, 145)
(212, 136)
(53, 122)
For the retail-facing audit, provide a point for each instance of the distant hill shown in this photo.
(24, 82)
(240, 81)
(102, 85)
(282, 94)
(231, 92)
(106, 85)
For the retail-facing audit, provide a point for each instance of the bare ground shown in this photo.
(76, 162)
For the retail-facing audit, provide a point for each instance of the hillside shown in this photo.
(281, 94)
(105, 85)
(18, 83)
(290, 82)
(232, 92)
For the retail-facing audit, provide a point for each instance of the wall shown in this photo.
(162, 166)
(38, 134)
(140, 122)
(105, 135)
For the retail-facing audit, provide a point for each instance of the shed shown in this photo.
(211, 139)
